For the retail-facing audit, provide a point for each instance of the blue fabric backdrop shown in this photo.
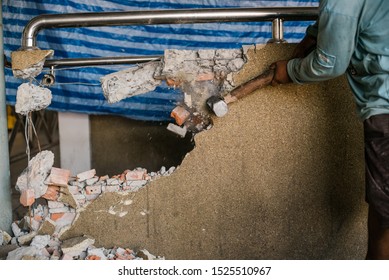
(79, 90)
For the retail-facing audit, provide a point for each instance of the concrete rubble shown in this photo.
(130, 82)
(39, 236)
(199, 74)
(30, 97)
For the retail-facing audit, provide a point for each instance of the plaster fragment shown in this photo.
(130, 82)
(30, 97)
(35, 174)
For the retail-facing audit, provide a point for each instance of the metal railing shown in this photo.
(276, 15)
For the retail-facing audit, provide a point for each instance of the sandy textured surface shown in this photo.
(280, 177)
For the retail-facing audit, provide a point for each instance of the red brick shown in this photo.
(52, 193)
(56, 216)
(59, 177)
(136, 175)
(27, 198)
(93, 190)
(180, 115)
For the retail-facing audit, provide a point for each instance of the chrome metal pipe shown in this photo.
(161, 17)
(277, 31)
(95, 61)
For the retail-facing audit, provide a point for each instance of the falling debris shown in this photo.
(130, 82)
(30, 98)
(29, 63)
(34, 176)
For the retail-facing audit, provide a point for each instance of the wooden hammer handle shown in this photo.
(258, 82)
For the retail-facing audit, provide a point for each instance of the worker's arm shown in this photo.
(336, 36)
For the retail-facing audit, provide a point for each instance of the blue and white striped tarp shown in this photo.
(79, 90)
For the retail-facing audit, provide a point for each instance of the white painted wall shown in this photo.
(74, 141)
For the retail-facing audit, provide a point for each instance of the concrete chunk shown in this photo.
(30, 97)
(130, 82)
(36, 173)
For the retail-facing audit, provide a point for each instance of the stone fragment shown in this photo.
(59, 177)
(35, 174)
(40, 241)
(30, 97)
(47, 227)
(86, 175)
(75, 246)
(180, 115)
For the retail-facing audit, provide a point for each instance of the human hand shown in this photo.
(280, 73)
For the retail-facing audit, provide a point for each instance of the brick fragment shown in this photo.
(56, 216)
(86, 175)
(52, 193)
(180, 114)
(92, 181)
(136, 175)
(59, 177)
(93, 190)
(205, 77)
(27, 198)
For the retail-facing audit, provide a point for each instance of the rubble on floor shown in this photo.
(53, 211)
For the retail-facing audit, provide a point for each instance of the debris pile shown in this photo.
(56, 198)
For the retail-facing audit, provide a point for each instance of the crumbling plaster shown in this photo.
(280, 177)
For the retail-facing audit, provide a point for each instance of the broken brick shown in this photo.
(93, 190)
(52, 193)
(180, 114)
(27, 198)
(205, 76)
(173, 83)
(59, 177)
(136, 175)
(56, 216)
(86, 175)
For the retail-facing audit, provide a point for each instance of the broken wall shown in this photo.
(280, 177)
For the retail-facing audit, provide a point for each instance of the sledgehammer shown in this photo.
(218, 104)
